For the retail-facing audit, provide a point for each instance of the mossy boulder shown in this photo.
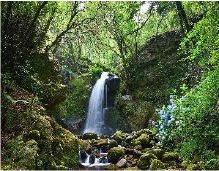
(145, 161)
(100, 142)
(90, 136)
(84, 144)
(118, 138)
(113, 143)
(114, 154)
(156, 151)
(156, 165)
(144, 140)
(170, 156)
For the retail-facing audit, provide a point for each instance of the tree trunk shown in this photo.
(182, 15)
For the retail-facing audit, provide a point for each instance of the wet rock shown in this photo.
(137, 153)
(170, 156)
(83, 155)
(114, 154)
(129, 151)
(112, 89)
(113, 143)
(103, 159)
(92, 158)
(129, 139)
(145, 161)
(90, 136)
(121, 163)
(156, 165)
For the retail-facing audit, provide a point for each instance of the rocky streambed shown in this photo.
(138, 150)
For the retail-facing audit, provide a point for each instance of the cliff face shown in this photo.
(159, 69)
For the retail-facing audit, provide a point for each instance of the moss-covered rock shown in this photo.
(100, 142)
(156, 151)
(84, 144)
(156, 165)
(113, 143)
(170, 156)
(144, 140)
(119, 137)
(112, 167)
(90, 136)
(145, 161)
(114, 154)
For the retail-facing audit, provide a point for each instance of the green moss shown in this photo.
(115, 153)
(145, 161)
(22, 155)
(156, 151)
(144, 140)
(156, 165)
(113, 143)
(170, 156)
(111, 167)
(84, 144)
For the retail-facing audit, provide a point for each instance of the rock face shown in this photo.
(112, 84)
(156, 61)
(158, 46)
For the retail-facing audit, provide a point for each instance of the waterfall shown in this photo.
(95, 116)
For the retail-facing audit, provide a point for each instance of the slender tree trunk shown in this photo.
(182, 15)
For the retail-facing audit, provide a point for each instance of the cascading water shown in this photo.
(95, 117)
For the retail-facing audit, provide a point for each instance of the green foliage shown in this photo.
(77, 101)
(22, 155)
(202, 42)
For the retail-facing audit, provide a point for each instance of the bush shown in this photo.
(191, 123)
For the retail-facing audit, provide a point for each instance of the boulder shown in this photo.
(113, 143)
(92, 158)
(145, 161)
(156, 151)
(144, 140)
(114, 154)
(156, 165)
(83, 155)
(90, 136)
(121, 163)
(137, 153)
(129, 139)
(170, 156)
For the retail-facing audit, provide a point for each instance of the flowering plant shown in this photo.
(170, 121)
